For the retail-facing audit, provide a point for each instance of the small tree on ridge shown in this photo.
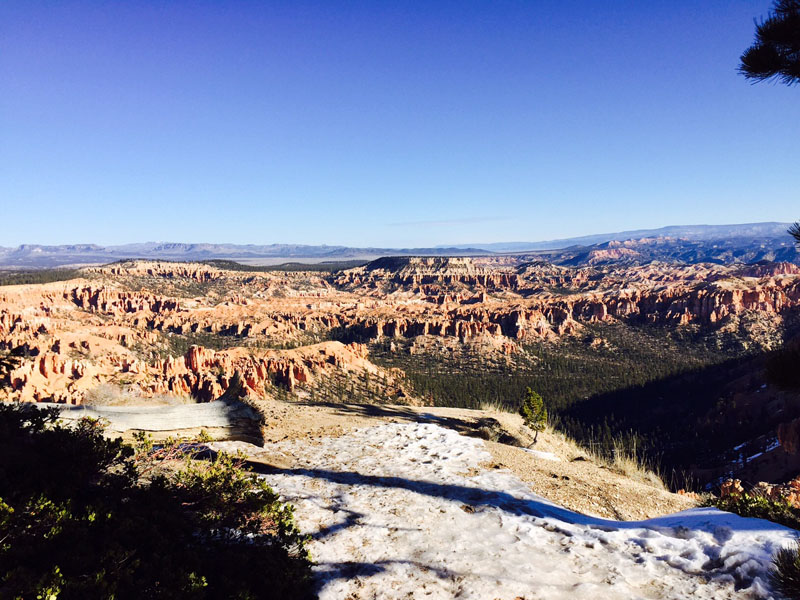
(533, 412)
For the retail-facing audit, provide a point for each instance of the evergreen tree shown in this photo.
(794, 231)
(776, 51)
(533, 412)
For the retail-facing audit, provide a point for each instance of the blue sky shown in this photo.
(385, 123)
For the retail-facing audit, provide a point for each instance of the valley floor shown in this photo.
(410, 509)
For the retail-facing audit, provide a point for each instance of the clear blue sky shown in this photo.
(385, 123)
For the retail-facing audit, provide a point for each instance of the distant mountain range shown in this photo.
(31, 256)
(724, 251)
(751, 242)
(770, 231)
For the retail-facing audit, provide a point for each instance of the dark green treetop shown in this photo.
(776, 50)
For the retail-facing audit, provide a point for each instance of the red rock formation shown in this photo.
(732, 488)
(787, 492)
(115, 301)
(205, 374)
(106, 329)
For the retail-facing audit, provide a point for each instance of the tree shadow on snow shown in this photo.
(332, 571)
(471, 498)
(351, 518)
(478, 426)
(553, 518)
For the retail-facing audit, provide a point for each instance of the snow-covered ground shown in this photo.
(406, 511)
(149, 417)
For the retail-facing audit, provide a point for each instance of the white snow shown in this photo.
(406, 511)
(219, 413)
(543, 455)
(770, 446)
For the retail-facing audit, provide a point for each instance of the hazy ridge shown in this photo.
(725, 244)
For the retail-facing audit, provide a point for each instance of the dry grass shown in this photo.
(626, 460)
(495, 406)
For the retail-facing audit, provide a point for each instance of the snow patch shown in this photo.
(406, 511)
(543, 455)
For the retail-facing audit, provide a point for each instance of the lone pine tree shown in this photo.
(533, 412)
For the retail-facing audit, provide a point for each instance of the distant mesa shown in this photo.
(420, 265)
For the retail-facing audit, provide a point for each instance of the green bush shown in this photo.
(82, 516)
(753, 504)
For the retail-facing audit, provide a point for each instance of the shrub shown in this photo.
(753, 504)
(82, 516)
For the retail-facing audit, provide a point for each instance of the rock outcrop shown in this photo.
(206, 374)
(788, 493)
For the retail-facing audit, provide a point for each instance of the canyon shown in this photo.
(120, 323)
